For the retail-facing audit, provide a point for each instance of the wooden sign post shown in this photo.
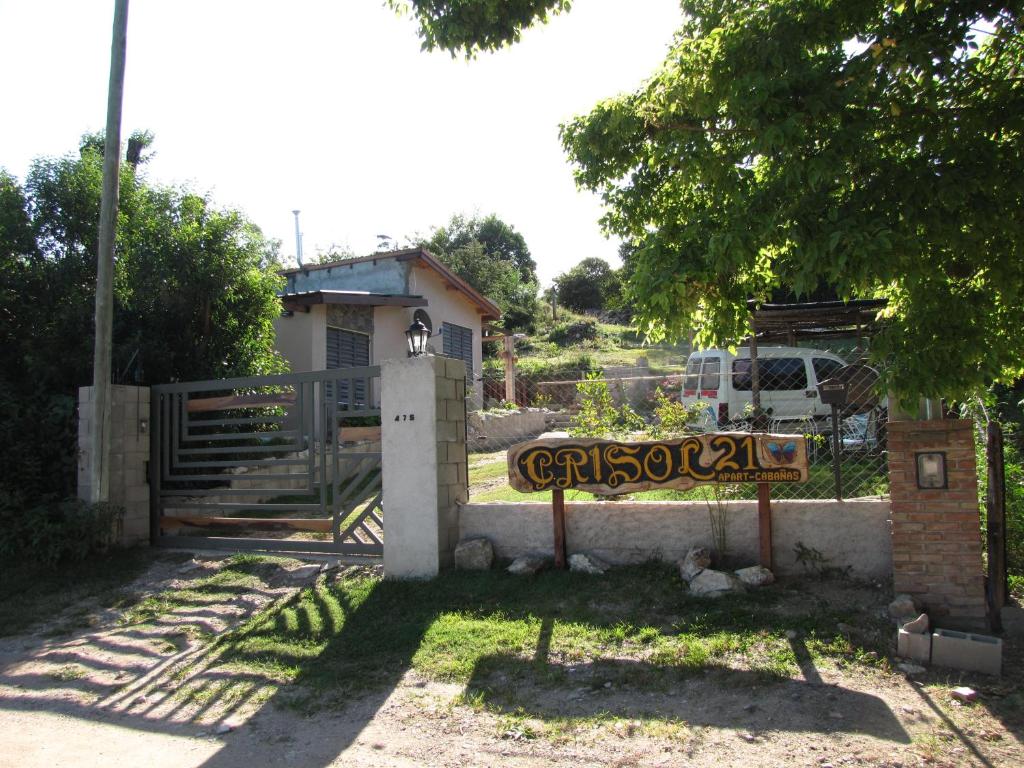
(611, 467)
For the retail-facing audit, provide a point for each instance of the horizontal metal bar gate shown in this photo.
(280, 463)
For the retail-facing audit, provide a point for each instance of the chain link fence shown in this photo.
(718, 388)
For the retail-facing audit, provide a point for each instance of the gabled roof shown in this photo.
(487, 308)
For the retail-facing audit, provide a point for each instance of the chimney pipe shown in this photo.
(298, 239)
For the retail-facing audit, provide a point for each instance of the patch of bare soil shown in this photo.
(152, 694)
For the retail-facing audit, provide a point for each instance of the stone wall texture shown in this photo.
(936, 539)
(129, 454)
(848, 534)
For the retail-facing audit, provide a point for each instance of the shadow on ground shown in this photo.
(341, 649)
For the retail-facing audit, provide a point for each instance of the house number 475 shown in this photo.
(405, 417)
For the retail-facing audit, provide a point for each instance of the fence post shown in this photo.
(509, 356)
(424, 473)
(129, 453)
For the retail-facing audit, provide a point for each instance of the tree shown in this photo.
(872, 146)
(499, 240)
(492, 257)
(592, 285)
(194, 298)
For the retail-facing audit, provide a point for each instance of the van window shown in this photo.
(709, 378)
(776, 374)
(825, 368)
(692, 373)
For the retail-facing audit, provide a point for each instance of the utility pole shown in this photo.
(99, 443)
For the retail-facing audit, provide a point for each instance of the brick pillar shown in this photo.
(936, 533)
(425, 477)
(129, 452)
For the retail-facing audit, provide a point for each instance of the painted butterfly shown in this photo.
(783, 453)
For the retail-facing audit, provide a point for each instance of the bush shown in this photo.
(566, 334)
(68, 530)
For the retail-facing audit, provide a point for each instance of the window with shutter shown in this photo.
(458, 342)
(348, 349)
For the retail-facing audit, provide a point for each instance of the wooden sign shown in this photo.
(610, 467)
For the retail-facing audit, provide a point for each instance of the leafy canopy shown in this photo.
(590, 285)
(872, 146)
(492, 257)
(194, 298)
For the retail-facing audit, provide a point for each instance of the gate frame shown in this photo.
(321, 419)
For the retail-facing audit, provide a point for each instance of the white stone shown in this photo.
(918, 626)
(527, 565)
(709, 583)
(303, 574)
(911, 669)
(584, 563)
(755, 576)
(696, 560)
(474, 555)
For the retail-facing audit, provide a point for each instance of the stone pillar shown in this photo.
(424, 475)
(936, 533)
(129, 454)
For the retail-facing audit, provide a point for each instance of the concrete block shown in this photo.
(914, 646)
(447, 432)
(967, 651)
(447, 474)
(454, 369)
(445, 390)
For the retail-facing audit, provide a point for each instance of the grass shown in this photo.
(66, 595)
(636, 628)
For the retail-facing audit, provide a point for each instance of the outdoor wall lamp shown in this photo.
(416, 337)
(931, 470)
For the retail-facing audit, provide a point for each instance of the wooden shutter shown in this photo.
(348, 349)
(458, 342)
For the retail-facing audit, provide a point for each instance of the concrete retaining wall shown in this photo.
(494, 430)
(848, 533)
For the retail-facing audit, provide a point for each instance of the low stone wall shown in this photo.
(493, 430)
(854, 534)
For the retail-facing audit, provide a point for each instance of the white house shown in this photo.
(355, 312)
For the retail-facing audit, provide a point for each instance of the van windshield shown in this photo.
(692, 373)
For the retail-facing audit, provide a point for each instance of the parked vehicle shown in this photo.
(788, 378)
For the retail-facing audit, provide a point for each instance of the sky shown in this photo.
(330, 107)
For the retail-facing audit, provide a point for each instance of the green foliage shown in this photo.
(573, 332)
(60, 531)
(1014, 476)
(598, 415)
(484, 25)
(591, 285)
(194, 298)
(864, 146)
(672, 418)
(492, 257)
(873, 148)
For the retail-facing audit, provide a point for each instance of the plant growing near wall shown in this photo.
(598, 415)
(717, 497)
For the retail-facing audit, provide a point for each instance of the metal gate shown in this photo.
(287, 463)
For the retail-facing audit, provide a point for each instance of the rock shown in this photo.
(755, 576)
(474, 555)
(696, 560)
(903, 607)
(527, 565)
(792, 634)
(191, 565)
(911, 669)
(918, 626)
(303, 574)
(224, 728)
(709, 583)
(584, 563)
(963, 693)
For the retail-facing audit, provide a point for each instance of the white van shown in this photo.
(788, 377)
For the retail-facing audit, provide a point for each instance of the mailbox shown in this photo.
(833, 392)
